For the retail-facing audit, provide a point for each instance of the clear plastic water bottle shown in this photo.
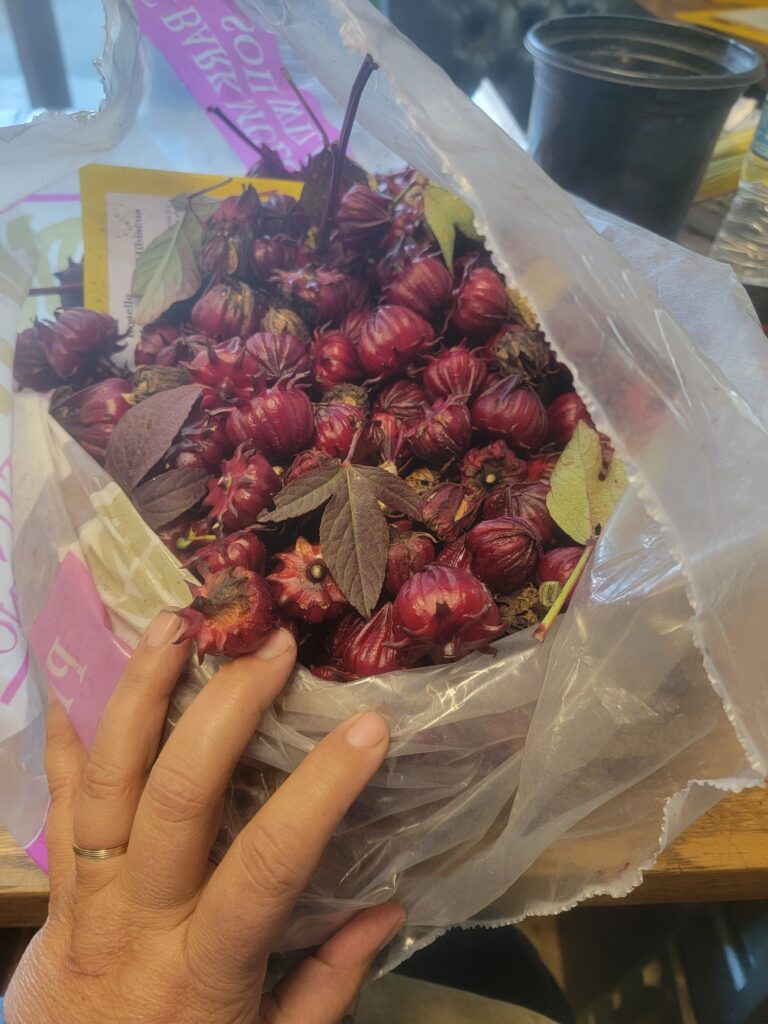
(742, 239)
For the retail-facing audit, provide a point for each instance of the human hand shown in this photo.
(159, 934)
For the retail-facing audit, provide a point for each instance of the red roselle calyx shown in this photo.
(362, 220)
(278, 423)
(448, 511)
(563, 414)
(336, 425)
(305, 462)
(31, 368)
(485, 469)
(403, 399)
(335, 360)
(424, 285)
(227, 311)
(370, 648)
(90, 415)
(520, 350)
(512, 413)
(243, 549)
(446, 612)
(276, 253)
(528, 500)
(388, 437)
(303, 587)
(203, 443)
(244, 489)
(329, 293)
(278, 356)
(155, 338)
(227, 234)
(455, 372)
(78, 339)
(409, 553)
(352, 324)
(391, 338)
(226, 373)
(456, 554)
(504, 551)
(443, 434)
(557, 565)
(480, 304)
(540, 466)
(231, 613)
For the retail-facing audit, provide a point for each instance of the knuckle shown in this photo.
(176, 795)
(268, 859)
(102, 778)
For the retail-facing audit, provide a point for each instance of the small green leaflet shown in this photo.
(581, 495)
(354, 534)
(445, 212)
(168, 270)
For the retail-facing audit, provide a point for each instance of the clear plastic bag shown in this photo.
(521, 784)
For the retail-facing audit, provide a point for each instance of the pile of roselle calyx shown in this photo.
(340, 419)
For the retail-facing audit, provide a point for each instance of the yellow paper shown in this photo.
(746, 19)
(124, 209)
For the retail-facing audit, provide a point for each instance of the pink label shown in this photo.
(226, 61)
(81, 657)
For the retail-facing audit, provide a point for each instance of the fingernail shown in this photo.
(278, 642)
(164, 629)
(368, 730)
(394, 929)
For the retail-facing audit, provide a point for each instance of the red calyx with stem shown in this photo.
(78, 340)
(231, 613)
(388, 437)
(455, 372)
(278, 423)
(444, 433)
(31, 368)
(227, 311)
(391, 339)
(423, 285)
(90, 415)
(485, 469)
(504, 551)
(540, 466)
(242, 549)
(362, 220)
(408, 553)
(336, 426)
(278, 356)
(305, 462)
(278, 252)
(370, 648)
(448, 511)
(512, 413)
(446, 612)
(331, 294)
(226, 373)
(155, 338)
(456, 554)
(303, 587)
(335, 360)
(528, 500)
(557, 565)
(480, 303)
(244, 489)
(403, 399)
(563, 414)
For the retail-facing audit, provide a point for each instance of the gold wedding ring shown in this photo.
(113, 851)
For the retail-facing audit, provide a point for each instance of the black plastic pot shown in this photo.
(626, 111)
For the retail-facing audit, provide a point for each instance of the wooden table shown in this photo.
(722, 856)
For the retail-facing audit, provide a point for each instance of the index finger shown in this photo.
(252, 892)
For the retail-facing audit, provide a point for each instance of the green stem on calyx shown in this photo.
(340, 149)
(544, 626)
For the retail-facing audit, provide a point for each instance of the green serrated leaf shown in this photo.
(305, 494)
(579, 500)
(168, 269)
(354, 537)
(445, 212)
(394, 492)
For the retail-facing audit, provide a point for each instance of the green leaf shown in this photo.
(581, 495)
(394, 492)
(168, 270)
(304, 494)
(445, 212)
(354, 538)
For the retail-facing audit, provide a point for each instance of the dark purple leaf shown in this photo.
(304, 494)
(146, 432)
(394, 492)
(163, 498)
(354, 537)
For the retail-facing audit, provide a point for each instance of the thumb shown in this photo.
(321, 988)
